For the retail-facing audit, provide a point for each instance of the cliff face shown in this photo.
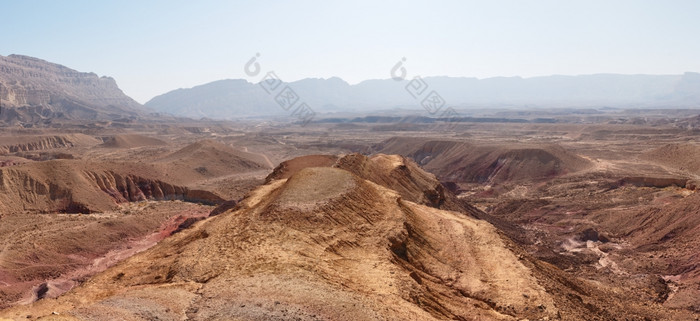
(34, 91)
(77, 187)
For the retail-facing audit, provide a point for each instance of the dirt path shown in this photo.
(267, 160)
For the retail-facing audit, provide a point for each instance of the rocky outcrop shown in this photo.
(18, 144)
(24, 188)
(34, 91)
(658, 182)
(22, 191)
(402, 175)
(42, 143)
(131, 188)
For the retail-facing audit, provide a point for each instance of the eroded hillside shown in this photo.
(327, 244)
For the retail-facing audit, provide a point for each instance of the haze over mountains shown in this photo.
(236, 97)
(34, 91)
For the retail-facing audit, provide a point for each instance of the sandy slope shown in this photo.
(131, 141)
(463, 161)
(681, 157)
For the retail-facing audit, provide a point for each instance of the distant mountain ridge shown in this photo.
(236, 97)
(36, 91)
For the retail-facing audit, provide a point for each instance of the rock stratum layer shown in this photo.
(15, 144)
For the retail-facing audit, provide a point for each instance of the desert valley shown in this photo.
(111, 211)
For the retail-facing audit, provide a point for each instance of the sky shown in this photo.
(152, 47)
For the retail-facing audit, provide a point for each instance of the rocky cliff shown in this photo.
(36, 91)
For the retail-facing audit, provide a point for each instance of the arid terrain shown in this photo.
(109, 211)
(595, 220)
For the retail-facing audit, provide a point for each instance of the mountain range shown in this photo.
(235, 97)
(34, 91)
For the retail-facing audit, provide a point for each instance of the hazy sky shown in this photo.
(151, 47)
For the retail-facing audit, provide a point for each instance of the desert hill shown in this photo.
(405, 177)
(327, 244)
(207, 159)
(131, 141)
(290, 167)
(34, 91)
(391, 171)
(459, 161)
(681, 157)
(402, 175)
